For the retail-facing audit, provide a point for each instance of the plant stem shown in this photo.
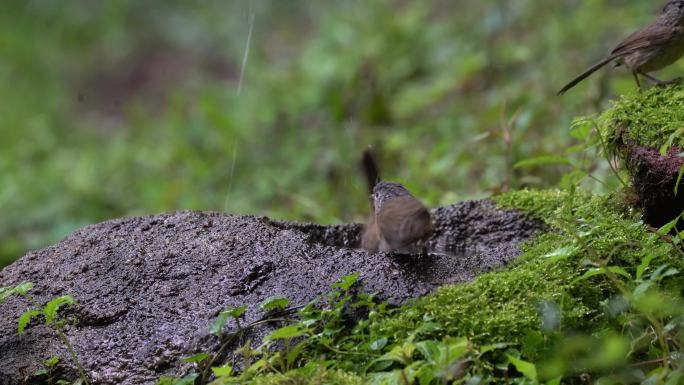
(74, 357)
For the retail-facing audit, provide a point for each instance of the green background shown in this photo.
(118, 108)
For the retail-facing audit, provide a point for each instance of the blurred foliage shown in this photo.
(113, 108)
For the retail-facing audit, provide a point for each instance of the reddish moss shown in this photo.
(654, 178)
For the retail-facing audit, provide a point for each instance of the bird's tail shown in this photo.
(370, 169)
(588, 72)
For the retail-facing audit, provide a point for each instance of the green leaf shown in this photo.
(51, 362)
(601, 271)
(286, 332)
(455, 347)
(429, 350)
(187, 380)
(236, 312)
(51, 308)
(275, 303)
(23, 288)
(669, 226)
(580, 128)
(645, 263)
(561, 253)
(5, 292)
(641, 289)
(674, 378)
(294, 353)
(165, 380)
(620, 271)
(488, 348)
(573, 178)
(25, 319)
(219, 323)
(668, 273)
(346, 282)
(222, 371)
(555, 381)
(526, 368)
(679, 179)
(257, 366)
(199, 357)
(402, 354)
(378, 344)
(666, 146)
(544, 160)
(662, 272)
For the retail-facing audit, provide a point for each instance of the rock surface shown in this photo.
(149, 287)
(654, 177)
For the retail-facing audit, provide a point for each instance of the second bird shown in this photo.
(397, 219)
(654, 47)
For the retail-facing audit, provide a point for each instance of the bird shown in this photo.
(652, 48)
(397, 219)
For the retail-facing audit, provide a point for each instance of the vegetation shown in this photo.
(652, 118)
(119, 108)
(49, 315)
(597, 296)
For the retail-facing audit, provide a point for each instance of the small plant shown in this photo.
(50, 317)
(50, 365)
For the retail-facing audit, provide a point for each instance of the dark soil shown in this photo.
(654, 178)
(148, 288)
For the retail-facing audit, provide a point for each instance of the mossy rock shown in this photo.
(651, 118)
(646, 132)
(503, 306)
(506, 307)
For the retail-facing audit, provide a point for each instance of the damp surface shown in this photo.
(149, 287)
(654, 177)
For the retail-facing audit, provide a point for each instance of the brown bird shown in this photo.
(654, 47)
(397, 219)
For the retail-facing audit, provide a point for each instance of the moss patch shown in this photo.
(502, 306)
(652, 118)
(337, 377)
(511, 306)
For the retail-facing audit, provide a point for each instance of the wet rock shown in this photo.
(654, 178)
(149, 287)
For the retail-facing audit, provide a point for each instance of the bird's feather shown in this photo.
(403, 221)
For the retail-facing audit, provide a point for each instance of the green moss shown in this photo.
(653, 117)
(337, 377)
(547, 283)
(502, 306)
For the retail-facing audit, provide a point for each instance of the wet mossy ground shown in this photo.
(505, 306)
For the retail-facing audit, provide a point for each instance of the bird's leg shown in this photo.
(652, 78)
(636, 78)
(661, 83)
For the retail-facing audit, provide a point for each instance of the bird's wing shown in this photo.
(652, 35)
(403, 221)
